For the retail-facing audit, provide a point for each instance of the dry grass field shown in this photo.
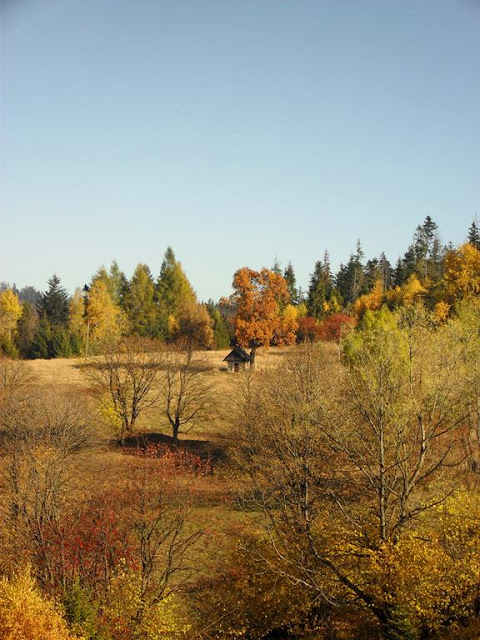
(67, 375)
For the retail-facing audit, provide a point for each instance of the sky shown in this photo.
(236, 131)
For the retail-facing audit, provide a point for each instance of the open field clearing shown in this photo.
(67, 371)
(67, 375)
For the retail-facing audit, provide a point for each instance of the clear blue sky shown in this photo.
(234, 131)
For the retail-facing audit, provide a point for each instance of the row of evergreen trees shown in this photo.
(53, 324)
(329, 293)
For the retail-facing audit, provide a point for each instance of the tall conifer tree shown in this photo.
(173, 289)
(474, 235)
(139, 302)
(55, 303)
(289, 275)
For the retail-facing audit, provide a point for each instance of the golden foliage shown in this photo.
(128, 616)
(441, 312)
(107, 322)
(288, 326)
(407, 294)
(25, 614)
(96, 318)
(462, 272)
(246, 600)
(433, 570)
(10, 312)
(194, 325)
(372, 300)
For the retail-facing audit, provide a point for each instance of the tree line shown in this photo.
(53, 324)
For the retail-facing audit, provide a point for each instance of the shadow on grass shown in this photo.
(204, 449)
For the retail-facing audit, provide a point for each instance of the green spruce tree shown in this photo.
(55, 303)
(350, 279)
(221, 335)
(289, 275)
(474, 235)
(139, 302)
(173, 292)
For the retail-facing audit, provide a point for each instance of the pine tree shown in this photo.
(317, 291)
(289, 276)
(378, 269)
(221, 335)
(55, 303)
(115, 281)
(372, 273)
(139, 302)
(173, 290)
(386, 273)
(350, 280)
(52, 338)
(406, 266)
(322, 296)
(41, 345)
(60, 343)
(436, 259)
(423, 243)
(277, 267)
(118, 284)
(474, 235)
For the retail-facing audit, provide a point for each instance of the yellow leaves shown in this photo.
(441, 312)
(462, 272)
(130, 615)
(172, 324)
(254, 600)
(288, 325)
(25, 614)
(432, 570)
(105, 319)
(109, 413)
(77, 312)
(193, 324)
(407, 294)
(95, 317)
(10, 312)
(372, 300)
(302, 310)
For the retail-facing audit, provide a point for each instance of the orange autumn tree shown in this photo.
(260, 300)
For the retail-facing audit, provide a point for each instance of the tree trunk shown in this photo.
(253, 353)
(175, 429)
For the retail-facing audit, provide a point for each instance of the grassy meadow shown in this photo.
(66, 374)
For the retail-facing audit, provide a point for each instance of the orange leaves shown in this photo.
(262, 314)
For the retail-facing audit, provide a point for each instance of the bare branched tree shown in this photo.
(41, 438)
(159, 509)
(185, 393)
(15, 377)
(125, 380)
